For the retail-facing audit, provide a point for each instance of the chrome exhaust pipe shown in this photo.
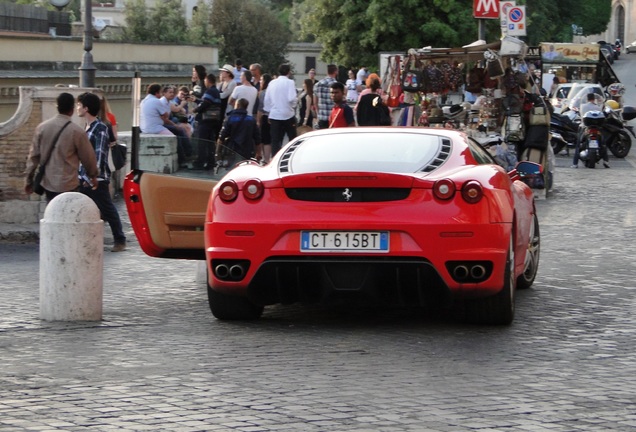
(221, 271)
(478, 271)
(460, 272)
(237, 271)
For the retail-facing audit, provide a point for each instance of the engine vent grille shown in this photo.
(441, 157)
(283, 164)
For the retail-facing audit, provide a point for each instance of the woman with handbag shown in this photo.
(209, 120)
(263, 150)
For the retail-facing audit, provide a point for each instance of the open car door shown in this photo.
(167, 211)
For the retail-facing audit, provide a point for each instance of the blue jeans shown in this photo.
(101, 198)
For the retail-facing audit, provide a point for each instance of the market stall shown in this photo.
(486, 90)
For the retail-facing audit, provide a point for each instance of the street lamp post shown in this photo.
(87, 68)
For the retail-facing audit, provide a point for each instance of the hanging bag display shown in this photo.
(494, 67)
(514, 128)
(395, 88)
(412, 76)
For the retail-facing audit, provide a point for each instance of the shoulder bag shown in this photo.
(39, 171)
(119, 153)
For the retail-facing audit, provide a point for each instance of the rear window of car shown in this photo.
(562, 92)
(399, 152)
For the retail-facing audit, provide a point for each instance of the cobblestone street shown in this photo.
(160, 361)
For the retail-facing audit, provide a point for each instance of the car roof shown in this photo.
(312, 151)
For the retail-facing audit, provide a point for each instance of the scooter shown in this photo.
(563, 130)
(615, 130)
(593, 146)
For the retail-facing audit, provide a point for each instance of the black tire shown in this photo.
(557, 146)
(228, 307)
(526, 279)
(621, 145)
(498, 309)
(592, 155)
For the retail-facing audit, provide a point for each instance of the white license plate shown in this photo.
(593, 144)
(344, 241)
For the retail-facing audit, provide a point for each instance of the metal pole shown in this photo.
(481, 29)
(136, 98)
(87, 68)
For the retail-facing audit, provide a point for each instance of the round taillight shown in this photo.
(253, 189)
(444, 189)
(228, 191)
(472, 192)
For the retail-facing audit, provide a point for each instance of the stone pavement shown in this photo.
(160, 361)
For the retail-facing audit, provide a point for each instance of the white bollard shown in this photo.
(71, 259)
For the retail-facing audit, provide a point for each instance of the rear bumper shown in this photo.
(417, 271)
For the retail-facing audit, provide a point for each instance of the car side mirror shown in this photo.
(530, 173)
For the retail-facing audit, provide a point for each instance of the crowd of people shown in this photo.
(218, 107)
(203, 113)
(245, 110)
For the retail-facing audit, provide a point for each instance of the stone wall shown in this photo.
(16, 134)
(15, 141)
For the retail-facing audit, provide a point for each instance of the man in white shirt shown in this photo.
(238, 63)
(280, 102)
(590, 105)
(154, 113)
(245, 91)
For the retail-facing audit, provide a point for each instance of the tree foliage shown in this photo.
(249, 30)
(352, 32)
(167, 22)
(550, 21)
(200, 32)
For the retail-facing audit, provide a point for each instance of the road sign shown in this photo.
(517, 21)
(504, 7)
(486, 9)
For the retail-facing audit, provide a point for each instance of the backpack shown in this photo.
(372, 111)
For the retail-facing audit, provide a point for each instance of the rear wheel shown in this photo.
(526, 279)
(230, 307)
(500, 308)
(621, 145)
(590, 162)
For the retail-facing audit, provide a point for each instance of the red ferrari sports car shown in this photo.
(388, 216)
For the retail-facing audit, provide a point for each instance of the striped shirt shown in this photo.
(97, 133)
(325, 104)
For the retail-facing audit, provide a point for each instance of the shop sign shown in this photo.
(569, 53)
(534, 52)
(486, 9)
